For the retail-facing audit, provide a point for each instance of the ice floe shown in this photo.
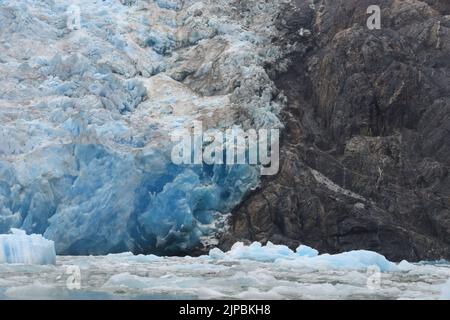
(87, 108)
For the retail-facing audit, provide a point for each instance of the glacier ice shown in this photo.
(305, 251)
(358, 259)
(19, 247)
(305, 256)
(256, 251)
(86, 113)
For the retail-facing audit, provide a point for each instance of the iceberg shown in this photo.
(255, 252)
(305, 251)
(357, 259)
(21, 248)
(305, 256)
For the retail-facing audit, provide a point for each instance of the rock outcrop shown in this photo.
(366, 150)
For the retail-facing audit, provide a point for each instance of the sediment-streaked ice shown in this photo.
(20, 248)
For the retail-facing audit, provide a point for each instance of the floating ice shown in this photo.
(26, 249)
(289, 276)
(306, 256)
(256, 252)
(358, 259)
(405, 266)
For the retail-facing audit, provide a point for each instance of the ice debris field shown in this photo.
(245, 272)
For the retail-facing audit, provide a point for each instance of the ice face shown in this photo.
(87, 104)
(26, 249)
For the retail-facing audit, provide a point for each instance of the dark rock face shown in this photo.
(366, 151)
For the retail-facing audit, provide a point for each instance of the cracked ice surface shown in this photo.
(85, 117)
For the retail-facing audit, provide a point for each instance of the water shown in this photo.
(129, 277)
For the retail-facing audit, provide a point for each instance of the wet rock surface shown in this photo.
(365, 153)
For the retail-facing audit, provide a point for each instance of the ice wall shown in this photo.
(86, 109)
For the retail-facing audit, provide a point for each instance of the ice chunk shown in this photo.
(85, 119)
(257, 252)
(358, 259)
(216, 254)
(306, 257)
(19, 247)
(305, 251)
(405, 266)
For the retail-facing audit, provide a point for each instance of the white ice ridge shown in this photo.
(21, 248)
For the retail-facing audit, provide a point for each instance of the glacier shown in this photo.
(87, 105)
(19, 248)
